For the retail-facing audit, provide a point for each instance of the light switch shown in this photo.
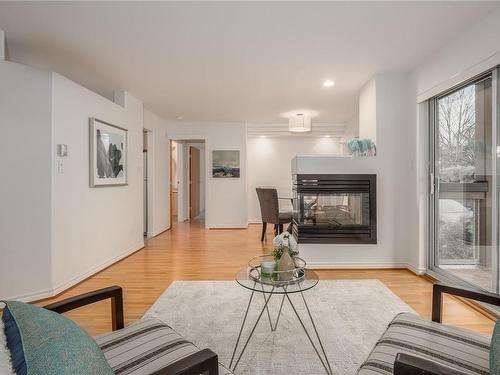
(62, 150)
(60, 167)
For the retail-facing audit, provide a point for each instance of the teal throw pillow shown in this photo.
(43, 342)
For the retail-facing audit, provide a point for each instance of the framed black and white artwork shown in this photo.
(226, 164)
(108, 154)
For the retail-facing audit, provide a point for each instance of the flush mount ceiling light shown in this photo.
(328, 83)
(299, 123)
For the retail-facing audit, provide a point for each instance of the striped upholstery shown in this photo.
(450, 346)
(144, 347)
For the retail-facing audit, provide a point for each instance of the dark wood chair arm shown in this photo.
(203, 362)
(115, 293)
(439, 289)
(406, 364)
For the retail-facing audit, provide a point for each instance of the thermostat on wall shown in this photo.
(62, 150)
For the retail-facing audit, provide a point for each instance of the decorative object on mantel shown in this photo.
(108, 154)
(362, 147)
(226, 163)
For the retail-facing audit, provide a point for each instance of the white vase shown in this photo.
(286, 265)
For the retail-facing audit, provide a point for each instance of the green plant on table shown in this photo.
(284, 242)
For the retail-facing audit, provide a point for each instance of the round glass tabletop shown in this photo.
(247, 278)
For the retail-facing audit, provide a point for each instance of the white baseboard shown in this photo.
(157, 232)
(415, 270)
(227, 226)
(61, 287)
(254, 221)
(353, 265)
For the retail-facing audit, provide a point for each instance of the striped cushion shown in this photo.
(144, 347)
(451, 346)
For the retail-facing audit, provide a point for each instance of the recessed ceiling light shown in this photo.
(179, 117)
(327, 136)
(263, 136)
(328, 83)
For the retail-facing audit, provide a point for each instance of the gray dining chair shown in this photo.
(270, 211)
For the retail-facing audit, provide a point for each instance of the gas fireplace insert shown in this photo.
(335, 208)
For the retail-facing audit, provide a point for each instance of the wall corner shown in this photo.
(120, 97)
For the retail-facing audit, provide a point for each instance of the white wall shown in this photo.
(25, 188)
(470, 53)
(2, 45)
(387, 108)
(269, 165)
(368, 111)
(93, 227)
(55, 229)
(351, 131)
(226, 199)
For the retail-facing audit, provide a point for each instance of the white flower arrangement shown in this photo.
(285, 239)
(284, 242)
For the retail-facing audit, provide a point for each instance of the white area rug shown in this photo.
(350, 315)
(5, 364)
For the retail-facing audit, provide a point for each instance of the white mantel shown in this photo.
(333, 164)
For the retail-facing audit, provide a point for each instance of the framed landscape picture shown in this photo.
(108, 154)
(226, 163)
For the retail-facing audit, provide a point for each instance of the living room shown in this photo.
(250, 187)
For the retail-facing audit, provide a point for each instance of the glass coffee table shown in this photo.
(299, 280)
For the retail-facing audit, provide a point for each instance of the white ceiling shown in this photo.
(234, 61)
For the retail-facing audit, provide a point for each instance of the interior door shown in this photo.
(145, 192)
(463, 203)
(194, 182)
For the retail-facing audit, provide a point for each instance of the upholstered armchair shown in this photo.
(147, 346)
(412, 345)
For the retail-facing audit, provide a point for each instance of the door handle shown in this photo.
(432, 183)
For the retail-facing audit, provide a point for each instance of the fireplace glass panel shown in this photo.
(336, 209)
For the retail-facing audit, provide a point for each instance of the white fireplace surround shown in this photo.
(391, 251)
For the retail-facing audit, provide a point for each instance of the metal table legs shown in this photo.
(322, 356)
(252, 331)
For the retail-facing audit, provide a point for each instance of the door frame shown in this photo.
(190, 198)
(150, 180)
(171, 193)
(208, 163)
(433, 184)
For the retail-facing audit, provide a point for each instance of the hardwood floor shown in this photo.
(191, 252)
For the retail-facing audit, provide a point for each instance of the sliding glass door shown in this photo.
(464, 204)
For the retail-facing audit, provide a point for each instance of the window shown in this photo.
(463, 205)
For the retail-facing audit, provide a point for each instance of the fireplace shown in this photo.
(335, 208)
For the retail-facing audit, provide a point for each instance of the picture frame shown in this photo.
(108, 154)
(226, 163)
